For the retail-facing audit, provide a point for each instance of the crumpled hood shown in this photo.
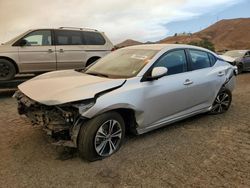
(61, 87)
(228, 58)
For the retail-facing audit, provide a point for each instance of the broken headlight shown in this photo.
(83, 106)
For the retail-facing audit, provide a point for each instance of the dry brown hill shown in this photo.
(225, 35)
(128, 42)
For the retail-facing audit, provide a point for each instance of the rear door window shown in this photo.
(199, 59)
(68, 37)
(212, 58)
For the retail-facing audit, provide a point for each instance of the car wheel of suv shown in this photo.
(7, 70)
(240, 68)
(101, 137)
(222, 102)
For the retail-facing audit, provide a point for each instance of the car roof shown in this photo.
(165, 47)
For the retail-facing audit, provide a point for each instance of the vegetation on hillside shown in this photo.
(205, 43)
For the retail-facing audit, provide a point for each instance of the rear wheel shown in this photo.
(101, 137)
(222, 102)
(7, 70)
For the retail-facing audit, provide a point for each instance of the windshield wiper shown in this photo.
(97, 74)
(91, 73)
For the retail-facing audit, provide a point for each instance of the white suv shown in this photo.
(43, 50)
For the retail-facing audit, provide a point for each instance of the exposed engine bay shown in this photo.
(61, 122)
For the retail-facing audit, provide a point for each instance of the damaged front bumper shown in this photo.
(61, 122)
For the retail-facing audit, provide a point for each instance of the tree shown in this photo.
(205, 43)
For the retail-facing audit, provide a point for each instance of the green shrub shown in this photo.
(205, 43)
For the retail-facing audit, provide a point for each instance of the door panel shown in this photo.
(70, 56)
(246, 60)
(70, 51)
(205, 85)
(38, 54)
(206, 79)
(168, 95)
(165, 97)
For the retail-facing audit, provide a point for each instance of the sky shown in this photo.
(142, 20)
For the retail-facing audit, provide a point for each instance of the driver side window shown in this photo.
(174, 61)
(38, 38)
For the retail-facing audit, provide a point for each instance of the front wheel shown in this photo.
(222, 102)
(240, 68)
(101, 136)
(7, 70)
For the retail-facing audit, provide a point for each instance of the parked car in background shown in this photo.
(43, 50)
(138, 88)
(240, 58)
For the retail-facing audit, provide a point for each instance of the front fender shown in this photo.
(95, 111)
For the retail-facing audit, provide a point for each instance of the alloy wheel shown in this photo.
(108, 138)
(222, 103)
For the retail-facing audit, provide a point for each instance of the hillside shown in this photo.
(225, 35)
(228, 34)
(128, 42)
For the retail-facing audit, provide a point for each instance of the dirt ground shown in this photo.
(203, 151)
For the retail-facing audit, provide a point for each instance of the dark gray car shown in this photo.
(240, 58)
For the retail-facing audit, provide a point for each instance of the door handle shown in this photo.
(221, 73)
(61, 50)
(50, 50)
(188, 82)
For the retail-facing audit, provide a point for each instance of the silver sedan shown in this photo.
(138, 88)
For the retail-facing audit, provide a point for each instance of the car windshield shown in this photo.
(123, 63)
(235, 53)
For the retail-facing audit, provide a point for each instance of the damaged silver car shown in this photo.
(136, 89)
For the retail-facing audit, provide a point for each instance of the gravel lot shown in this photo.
(203, 151)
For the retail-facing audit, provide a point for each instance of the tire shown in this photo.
(240, 68)
(222, 102)
(93, 141)
(7, 70)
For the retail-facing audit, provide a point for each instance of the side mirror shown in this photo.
(157, 73)
(23, 42)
